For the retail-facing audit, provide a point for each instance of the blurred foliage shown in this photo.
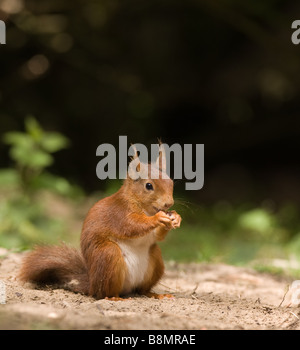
(31, 150)
(24, 223)
(23, 219)
(235, 234)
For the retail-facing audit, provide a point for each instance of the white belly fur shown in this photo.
(136, 256)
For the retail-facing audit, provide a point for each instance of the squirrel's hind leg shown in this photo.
(107, 272)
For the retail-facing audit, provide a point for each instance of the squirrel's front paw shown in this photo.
(175, 217)
(164, 219)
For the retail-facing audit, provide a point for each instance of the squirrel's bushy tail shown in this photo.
(55, 264)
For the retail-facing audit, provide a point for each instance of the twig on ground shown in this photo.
(286, 290)
(194, 290)
(295, 315)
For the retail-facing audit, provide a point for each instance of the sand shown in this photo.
(206, 296)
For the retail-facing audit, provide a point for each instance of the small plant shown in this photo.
(23, 218)
(32, 151)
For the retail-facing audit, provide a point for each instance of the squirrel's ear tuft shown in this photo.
(161, 161)
(133, 152)
(134, 166)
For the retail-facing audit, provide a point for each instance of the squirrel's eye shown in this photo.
(149, 186)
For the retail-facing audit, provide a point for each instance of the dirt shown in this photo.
(206, 296)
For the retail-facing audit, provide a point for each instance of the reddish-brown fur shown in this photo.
(100, 268)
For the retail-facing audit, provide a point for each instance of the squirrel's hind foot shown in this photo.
(117, 298)
(159, 296)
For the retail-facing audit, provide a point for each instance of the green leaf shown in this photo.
(39, 159)
(32, 158)
(33, 128)
(22, 155)
(16, 138)
(54, 141)
(257, 220)
(8, 177)
(56, 184)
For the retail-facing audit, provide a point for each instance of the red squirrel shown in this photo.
(119, 252)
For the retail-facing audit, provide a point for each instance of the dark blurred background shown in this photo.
(224, 73)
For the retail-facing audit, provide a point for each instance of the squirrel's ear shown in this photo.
(134, 166)
(135, 158)
(161, 161)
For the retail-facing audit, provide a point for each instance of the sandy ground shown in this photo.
(206, 296)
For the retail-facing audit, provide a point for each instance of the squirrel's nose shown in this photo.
(168, 204)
